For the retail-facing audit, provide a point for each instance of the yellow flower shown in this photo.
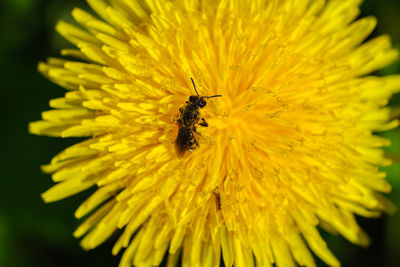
(290, 144)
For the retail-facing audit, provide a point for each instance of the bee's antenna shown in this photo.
(194, 86)
(212, 96)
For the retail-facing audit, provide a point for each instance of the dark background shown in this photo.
(36, 234)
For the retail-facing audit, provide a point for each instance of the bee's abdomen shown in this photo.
(185, 140)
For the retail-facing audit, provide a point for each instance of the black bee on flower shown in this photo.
(189, 118)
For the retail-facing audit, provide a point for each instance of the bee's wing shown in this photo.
(180, 149)
(181, 143)
(186, 141)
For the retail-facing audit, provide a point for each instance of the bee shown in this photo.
(189, 117)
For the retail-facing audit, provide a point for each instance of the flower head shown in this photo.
(289, 146)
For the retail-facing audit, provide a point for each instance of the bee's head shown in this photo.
(197, 100)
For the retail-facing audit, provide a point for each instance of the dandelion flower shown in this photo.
(290, 145)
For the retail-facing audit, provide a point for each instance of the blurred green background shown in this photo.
(39, 235)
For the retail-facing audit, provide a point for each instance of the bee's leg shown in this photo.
(178, 118)
(196, 132)
(203, 123)
(180, 122)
